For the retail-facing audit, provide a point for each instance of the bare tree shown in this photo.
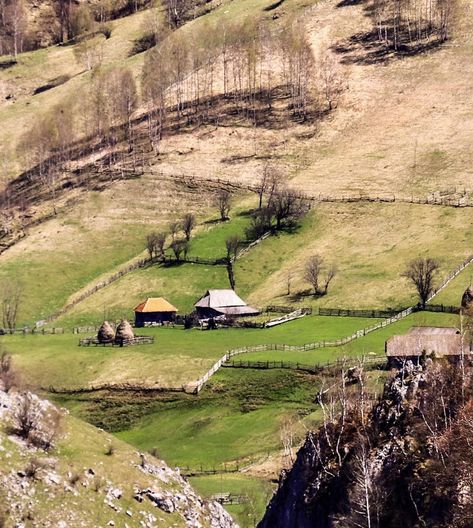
(8, 376)
(313, 269)
(232, 243)
(176, 11)
(268, 183)
(160, 241)
(188, 224)
(151, 245)
(11, 297)
(331, 79)
(287, 206)
(331, 272)
(180, 247)
(421, 272)
(288, 282)
(89, 53)
(174, 228)
(223, 201)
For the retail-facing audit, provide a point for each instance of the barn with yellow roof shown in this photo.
(154, 311)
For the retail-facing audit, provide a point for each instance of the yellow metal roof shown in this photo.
(155, 304)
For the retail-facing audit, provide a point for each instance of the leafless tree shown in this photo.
(180, 247)
(232, 244)
(421, 272)
(151, 245)
(331, 272)
(223, 201)
(64, 13)
(287, 437)
(287, 206)
(188, 224)
(331, 79)
(313, 270)
(8, 376)
(11, 298)
(288, 282)
(176, 11)
(268, 183)
(89, 53)
(174, 228)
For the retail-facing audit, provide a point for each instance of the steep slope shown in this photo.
(90, 479)
(403, 464)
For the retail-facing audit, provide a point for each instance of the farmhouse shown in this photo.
(155, 310)
(424, 341)
(217, 303)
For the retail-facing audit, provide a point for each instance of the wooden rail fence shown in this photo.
(196, 387)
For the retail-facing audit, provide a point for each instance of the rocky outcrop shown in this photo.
(387, 471)
(53, 488)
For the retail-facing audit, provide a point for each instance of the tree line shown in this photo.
(401, 24)
(59, 22)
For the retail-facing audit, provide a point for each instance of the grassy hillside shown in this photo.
(370, 243)
(177, 356)
(87, 471)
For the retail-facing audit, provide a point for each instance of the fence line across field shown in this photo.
(196, 386)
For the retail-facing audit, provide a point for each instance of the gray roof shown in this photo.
(433, 330)
(237, 310)
(428, 340)
(219, 299)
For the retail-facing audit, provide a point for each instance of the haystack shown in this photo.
(124, 333)
(106, 333)
(467, 299)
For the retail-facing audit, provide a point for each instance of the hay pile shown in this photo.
(106, 333)
(124, 333)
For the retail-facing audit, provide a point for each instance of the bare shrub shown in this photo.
(188, 224)
(223, 202)
(110, 450)
(74, 478)
(36, 421)
(98, 483)
(8, 376)
(34, 466)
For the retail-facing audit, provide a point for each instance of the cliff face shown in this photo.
(407, 464)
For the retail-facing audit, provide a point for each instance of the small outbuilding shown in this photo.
(155, 310)
(425, 341)
(218, 303)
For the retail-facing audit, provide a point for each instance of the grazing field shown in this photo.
(371, 344)
(236, 421)
(397, 233)
(176, 357)
(257, 491)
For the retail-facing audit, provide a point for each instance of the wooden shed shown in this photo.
(155, 310)
(425, 341)
(219, 303)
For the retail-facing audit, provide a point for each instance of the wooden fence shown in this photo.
(448, 198)
(196, 387)
(33, 331)
(137, 340)
(293, 365)
(383, 314)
